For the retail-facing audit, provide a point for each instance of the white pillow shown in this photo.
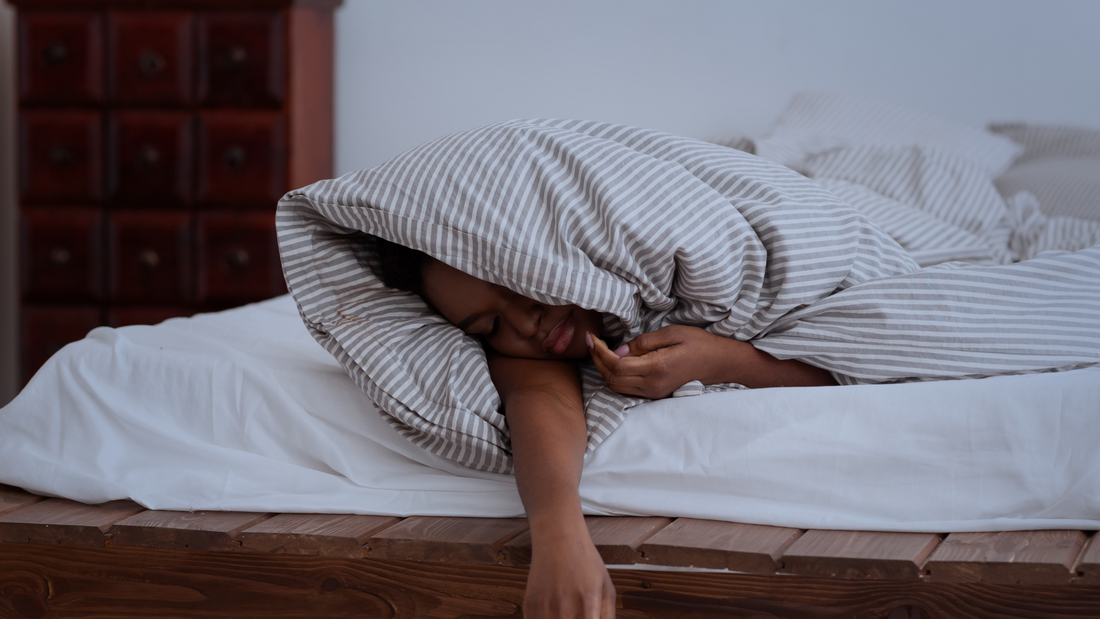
(816, 122)
(1060, 166)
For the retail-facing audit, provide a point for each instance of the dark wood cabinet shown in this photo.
(154, 142)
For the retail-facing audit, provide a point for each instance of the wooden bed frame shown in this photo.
(61, 558)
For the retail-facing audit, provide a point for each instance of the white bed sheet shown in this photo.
(243, 410)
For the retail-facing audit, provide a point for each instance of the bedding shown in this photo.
(243, 410)
(1059, 166)
(653, 229)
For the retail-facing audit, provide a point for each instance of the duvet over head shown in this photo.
(650, 229)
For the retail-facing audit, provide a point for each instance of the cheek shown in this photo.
(513, 347)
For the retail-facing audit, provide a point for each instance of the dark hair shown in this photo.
(402, 267)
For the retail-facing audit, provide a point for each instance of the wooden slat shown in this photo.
(688, 542)
(1088, 569)
(616, 538)
(449, 540)
(1012, 557)
(329, 535)
(12, 498)
(130, 582)
(859, 554)
(61, 521)
(194, 530)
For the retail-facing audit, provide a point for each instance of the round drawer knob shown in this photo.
(148, 156)
(148, 260)
(234, 157)
(237, 56)
(151, 63)
(238, 259)
(60, 256)
(55, 54)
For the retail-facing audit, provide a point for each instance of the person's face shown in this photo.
(509, 323)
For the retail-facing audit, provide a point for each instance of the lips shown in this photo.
(559, 337)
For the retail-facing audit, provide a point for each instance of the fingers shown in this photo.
(611, 364)
(629, 375)
(607, 600)
(653, 340)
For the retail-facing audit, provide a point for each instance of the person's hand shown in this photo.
(568, 580)
(655, 364)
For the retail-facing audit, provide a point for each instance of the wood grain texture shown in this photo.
(1087, 570)
(451, 540)
(1023, 557)
(141, 582)
(312, 102)
(61, 521)
(329, 535)
(616, 539)
(719, 545)
(859, 554)
(172, 529)
(12, 498)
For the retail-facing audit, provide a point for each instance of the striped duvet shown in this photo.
(654, 229)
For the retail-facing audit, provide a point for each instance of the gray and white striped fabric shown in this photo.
(651, 229)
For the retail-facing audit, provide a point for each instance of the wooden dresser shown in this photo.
(155, 139)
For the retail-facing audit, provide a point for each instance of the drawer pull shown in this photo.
(55, 54)
(151, 64)
(60, 156)
(234, 157)
(238, 56)
(238, 259)
(148, 260)
(148, 157)
(60, 256)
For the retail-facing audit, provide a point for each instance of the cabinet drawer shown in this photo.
(150, 257)
(150, 158)
(60, 57)
(62, 254)
(61, 156)
(238, 259)
(242, 159)
(242, 58)
(47, 329)
(150, 57)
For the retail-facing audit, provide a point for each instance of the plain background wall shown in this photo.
(412, 70)
(415, 70)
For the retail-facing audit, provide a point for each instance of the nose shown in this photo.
(523, 315)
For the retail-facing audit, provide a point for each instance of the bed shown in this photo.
(213, 468)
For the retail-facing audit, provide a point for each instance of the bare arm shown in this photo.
(542, 402)
(660, 362)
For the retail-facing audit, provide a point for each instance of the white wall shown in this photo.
(412, 70)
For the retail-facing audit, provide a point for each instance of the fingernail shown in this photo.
(588, 338)
(623, 350)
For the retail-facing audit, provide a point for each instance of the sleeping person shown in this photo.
(531, 347)
(529, 244)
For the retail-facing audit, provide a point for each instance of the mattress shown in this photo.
(243, 410)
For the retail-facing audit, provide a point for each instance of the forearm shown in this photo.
(548, 442)
(740, 362)
(542, 402)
